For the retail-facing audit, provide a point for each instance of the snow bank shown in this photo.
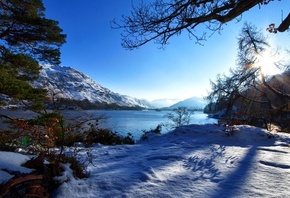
(191, 161)
(10, 162)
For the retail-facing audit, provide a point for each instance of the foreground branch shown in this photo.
(161, 20)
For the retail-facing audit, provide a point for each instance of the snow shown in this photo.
(191, 161)
(12, 162)
(70, 83)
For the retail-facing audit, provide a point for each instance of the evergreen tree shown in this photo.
(27, 38)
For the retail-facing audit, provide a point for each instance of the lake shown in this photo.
(124, 121)
(135, 122)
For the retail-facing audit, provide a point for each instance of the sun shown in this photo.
(268, 61)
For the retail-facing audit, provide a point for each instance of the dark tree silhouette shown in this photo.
(160, 20)
(26, 38)
(247, 88)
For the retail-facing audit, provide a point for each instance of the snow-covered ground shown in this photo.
(193, 161)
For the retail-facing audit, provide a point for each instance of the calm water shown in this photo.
(124, 122)
(135, 122)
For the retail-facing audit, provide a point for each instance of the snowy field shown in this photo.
(193, 161)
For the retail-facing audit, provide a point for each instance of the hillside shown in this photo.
(68, 83)
(75, 89)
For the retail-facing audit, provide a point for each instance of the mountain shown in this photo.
(192, 103)
(66, 82)
(161, 103)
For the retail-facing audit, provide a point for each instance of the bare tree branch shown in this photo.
(285, 24)
(160, 20)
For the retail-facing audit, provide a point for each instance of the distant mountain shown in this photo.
(192, 103)
(161, 103)
(66, 82)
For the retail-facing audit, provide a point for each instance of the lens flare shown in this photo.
(268, 62)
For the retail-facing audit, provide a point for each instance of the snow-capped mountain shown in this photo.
(161, 103)
(66, 82)
(193, 103)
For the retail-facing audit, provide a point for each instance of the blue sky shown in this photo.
(182, 70)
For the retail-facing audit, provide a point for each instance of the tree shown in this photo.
(180, 116)
(162, 19)
(27, 38)
(247, 88)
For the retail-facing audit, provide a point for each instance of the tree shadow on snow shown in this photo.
(235, 181)
(150, 169)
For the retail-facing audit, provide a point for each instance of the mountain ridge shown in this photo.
(66, 82)
(191, 103)
(164, 103)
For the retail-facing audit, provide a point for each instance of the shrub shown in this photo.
(54, 168)
(179, 116)
(107, 137)
(155, 131)
(47, 131)
(7, 141)
(78, 168)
